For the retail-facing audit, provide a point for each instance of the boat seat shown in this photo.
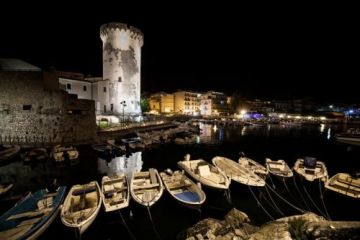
(82, 191)
(45, 203)
(146, 186)
(204, 171)
(353, 183)
(117, 202)
(179, 186)
(153, 177)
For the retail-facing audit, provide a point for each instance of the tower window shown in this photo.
(68, 86)
(84, 88)
(104, 108)
(104, 89)
(112, 107)
(27, 107)
(119, 79)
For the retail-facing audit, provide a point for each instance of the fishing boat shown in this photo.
(146, 187)
(62, 153)
(351, 136)
(236, 172)
(311, 169)
(115, 192)
(278, 168)
(205, 173)
(8, 153)
(81, 206)
(36, 154)
(182, 189)
(4, 188)
(345, 183)
(253, 166)
(32, 215)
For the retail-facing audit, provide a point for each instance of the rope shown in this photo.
(301, 196)
(295, 207)
(262, 195)
(291, 195)
(152, 223)
(258, 202)
(272, 200)
(312, 201)
(126, 226)
(272, 181)
(322, 200)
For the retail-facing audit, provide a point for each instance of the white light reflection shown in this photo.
(322, 127)
(329, 133)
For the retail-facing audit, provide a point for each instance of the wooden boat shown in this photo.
(345, 184)
(182, 189)
(205, 173)
(236, 172)
(8, 153)
(61, 153)
(146, 187)
(30, 217)
(311, 169)
(81, 206)
(278, 168)
(36, 154)
(4, 188)
(115, 192)
(253, 167)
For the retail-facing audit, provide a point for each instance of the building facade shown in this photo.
(162, 102)
(214, 104)
(187, 103)
(34, 110)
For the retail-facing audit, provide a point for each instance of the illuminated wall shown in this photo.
(121, 67)
(187, 103)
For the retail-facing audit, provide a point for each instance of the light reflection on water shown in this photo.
(123, 164)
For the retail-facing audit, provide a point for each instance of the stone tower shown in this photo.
(121, 68)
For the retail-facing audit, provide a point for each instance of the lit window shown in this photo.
(68, 86)
(84, 88)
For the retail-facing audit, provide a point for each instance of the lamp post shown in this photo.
(123, 103)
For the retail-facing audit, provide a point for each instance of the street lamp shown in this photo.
(123, 103)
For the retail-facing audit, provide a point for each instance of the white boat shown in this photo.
(311, 169)
(115, 192)
(345, 184)
(237, 173)
(253, 167)
(5, 188)
(8, 153)
(182, 189)
(351, 136)
(61, 153)
(146, 187)
(81, 206)
(205, 173)
(278, 168)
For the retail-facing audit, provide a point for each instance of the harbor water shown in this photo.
(170, 218)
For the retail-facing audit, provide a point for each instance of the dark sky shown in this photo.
(267, 52)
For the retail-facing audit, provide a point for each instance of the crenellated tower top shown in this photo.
(108, 28)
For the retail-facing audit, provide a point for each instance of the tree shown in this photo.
(144, 104)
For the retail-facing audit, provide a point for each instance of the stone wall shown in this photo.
(32, 115)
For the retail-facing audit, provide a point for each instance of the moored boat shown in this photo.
(146, 187)
(205, 173)
(115, 192)
(8, 153)
(345, 184)
(182, 189)
(4, 188)
(278, 168)
(62, 153)
(237, 173)
(30, 217)
(311, 169)
(253, 166)
(81, 206)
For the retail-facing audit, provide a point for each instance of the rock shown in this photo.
(236, 218)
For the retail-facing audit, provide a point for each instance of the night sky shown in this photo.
(272, 52)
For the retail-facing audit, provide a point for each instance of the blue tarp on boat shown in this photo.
(188, 196)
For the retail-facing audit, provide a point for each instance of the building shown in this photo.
(162, 102)
(34, 110)
(214, 104)
(121, 69)
(187, 103)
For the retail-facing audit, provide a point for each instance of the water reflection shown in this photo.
(329, 133)
(123, 164)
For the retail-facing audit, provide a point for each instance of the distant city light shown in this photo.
(322, 118)
(351, 111)
(243, 112)
(331, 106)
(215, 128)
(281, 115)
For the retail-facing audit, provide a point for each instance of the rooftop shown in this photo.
(17, 65)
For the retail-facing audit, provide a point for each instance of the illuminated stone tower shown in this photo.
(120, 89)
